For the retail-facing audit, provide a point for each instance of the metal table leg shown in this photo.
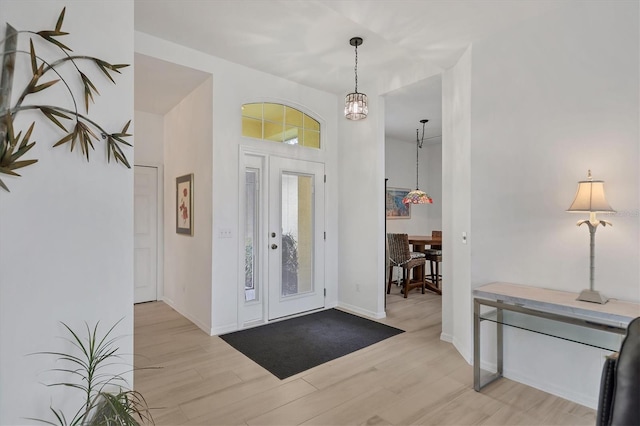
(477, 379)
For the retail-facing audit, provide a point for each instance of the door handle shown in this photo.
(274, 246)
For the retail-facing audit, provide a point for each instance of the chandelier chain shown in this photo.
(417, 146)
(356, 68)
(419, 143)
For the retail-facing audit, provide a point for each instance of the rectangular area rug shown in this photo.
(288, 347)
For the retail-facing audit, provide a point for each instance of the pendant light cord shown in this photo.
(419, 143)
(417, 146)
(356, 68)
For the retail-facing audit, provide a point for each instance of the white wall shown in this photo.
(187, 149)
(456, 200)
(234, 85)
(550, 99)
(572, 107)
(361, 211)
(149, 147)
(400, 169)
(66, 228)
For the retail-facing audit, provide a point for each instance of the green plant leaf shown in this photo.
(70, 385)
(49, 36)
(32, 54)
(43, 86)
(21, 164)
(21, 151)
(84, 134)
(3, 147)
(126, 406)
(27, 136)
(113, 148)
(51, 115)
(89, 88)
(60, 19)
(7, 171)
(6, 158)
(123, 134)
(51, 33)
(81, 134)
(90, 369)
(10, 154)
(58, 415)
(105, 71)
(65, 139)
(117, 137)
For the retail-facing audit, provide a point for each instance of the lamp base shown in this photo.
(592, 296)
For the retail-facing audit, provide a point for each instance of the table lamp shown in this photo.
(590, 198)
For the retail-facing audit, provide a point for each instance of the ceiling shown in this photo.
(307, 41)
(161, 85)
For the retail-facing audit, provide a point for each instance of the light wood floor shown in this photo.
(410, 379)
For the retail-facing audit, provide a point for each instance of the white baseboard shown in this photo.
(363, 312)
(229, 328)
(553, 389)
(331, 305)
(462, 350)
(446, 337)
(191, 318)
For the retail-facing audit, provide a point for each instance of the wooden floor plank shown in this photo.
(411, 378)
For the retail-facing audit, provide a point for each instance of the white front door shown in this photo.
(145, 227)
(295, 242)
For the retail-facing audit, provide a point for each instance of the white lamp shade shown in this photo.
(590, 198)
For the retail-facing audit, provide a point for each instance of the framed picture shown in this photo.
(395, 209)
(184, 204)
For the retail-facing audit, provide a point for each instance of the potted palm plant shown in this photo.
(105, 398)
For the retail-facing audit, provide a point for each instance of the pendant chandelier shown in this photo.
(417, 196)
(355, 104)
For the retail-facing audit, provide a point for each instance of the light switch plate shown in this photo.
(224, 233)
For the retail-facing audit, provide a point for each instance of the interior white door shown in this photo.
(296, 237)
(145, 228)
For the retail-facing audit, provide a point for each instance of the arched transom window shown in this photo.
(280, 123)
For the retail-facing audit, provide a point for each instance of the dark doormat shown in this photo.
(291, 346)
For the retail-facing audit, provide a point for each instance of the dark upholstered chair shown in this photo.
(619, 402)
(401, 256)
(434, 257)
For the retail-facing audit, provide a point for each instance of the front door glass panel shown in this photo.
(297, 234)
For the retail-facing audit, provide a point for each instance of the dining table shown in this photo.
(419, 243)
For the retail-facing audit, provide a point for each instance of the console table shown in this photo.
(549, 312)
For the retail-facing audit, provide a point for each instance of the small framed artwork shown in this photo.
(395, 209)
(184, 204)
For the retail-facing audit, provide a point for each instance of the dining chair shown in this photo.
(434, 256)
(402, 257)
